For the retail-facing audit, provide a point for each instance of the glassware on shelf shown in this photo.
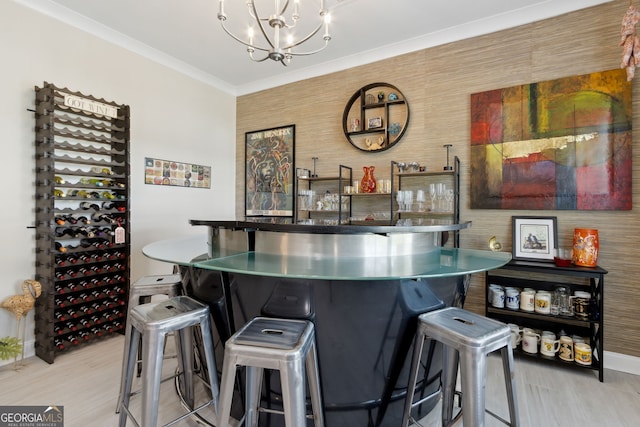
(433, 195)
(448, 195)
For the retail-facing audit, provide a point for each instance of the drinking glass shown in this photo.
(432, 195)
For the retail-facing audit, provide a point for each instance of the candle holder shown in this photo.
(448, 167)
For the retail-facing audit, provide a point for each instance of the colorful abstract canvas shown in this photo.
(562, 144)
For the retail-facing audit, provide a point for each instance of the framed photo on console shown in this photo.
(269, 172)
(534, 237)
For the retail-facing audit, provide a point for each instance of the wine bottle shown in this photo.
(72, 339)
(71, 259)
(74, 286)
(71, 326)
(61, 248)
(94, 282)
(61, 261)
(95, 319)
(85, 231)
(97, 294)
(83, 271)
(59, 289)
(60, 316)
(99, 217)
(72, 313)
(57, 329)
(95, 269)
(84, 220)
(58, 193)
(59, 275)
(58, 343)
(89, 206)
(60, 220)
(96, 256)
(84, 335)
(86, 323)
(85, 309)
(96, 306)
(71, 219)
(108, 195)
(117, 325)
(59, 180)
(96, 331)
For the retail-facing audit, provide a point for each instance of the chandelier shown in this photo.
(275, 35)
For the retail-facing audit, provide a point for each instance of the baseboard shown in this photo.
(622, 362)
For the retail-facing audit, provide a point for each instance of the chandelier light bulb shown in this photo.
(270, 27)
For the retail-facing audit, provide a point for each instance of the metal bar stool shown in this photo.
(469, 338)
(140, 292)
(286, 345)
(153, 321)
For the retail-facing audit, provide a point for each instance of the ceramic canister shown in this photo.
(585, 247)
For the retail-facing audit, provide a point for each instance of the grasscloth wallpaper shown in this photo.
(438, 83)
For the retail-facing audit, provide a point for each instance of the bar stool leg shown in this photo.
(450, 358)
(152, 345)
(252, 395)
(293, 394)
(413, 377)
(229, 368)
(130, 363)
(184, 347)
(510, 383)
(209, 355)
(311, 362)
(473, 370)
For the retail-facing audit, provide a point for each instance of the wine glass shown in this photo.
(400, 199)
(448, 195)
(408, 200)
(420, 199)
(432, 196)
(440, 190)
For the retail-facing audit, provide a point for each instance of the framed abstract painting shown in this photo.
(562, 144)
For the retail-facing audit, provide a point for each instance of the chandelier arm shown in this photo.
(259, 21)
(326, 43)
(311, 34)
(239, 40)
(284, 7)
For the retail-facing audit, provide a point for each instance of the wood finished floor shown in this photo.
(86, 382)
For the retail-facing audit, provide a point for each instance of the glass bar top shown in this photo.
(182, 251)
(439, 263)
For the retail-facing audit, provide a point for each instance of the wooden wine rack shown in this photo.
(82, 219)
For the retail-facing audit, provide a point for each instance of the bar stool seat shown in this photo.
(286, 345)
(468, 339)
(153, 321)
(140, 292)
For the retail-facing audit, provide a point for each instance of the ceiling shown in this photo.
(186, 35)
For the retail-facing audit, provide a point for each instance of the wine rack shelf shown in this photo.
(82, 219)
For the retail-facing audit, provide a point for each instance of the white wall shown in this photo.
(173, 117)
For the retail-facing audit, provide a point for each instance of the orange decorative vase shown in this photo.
(368, 182)
(585, 247)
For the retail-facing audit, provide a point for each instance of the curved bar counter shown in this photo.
(362, 286)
